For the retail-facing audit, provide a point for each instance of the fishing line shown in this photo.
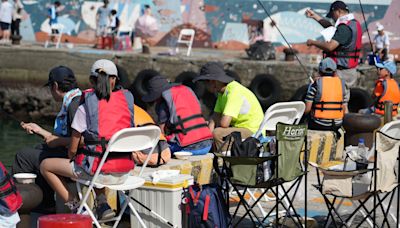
(16, 120)
(290, 46)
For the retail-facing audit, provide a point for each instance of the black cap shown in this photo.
(213, 71)
(60, 74)
(156, 86)
(335, 6)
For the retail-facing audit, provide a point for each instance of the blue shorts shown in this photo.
(4, 26)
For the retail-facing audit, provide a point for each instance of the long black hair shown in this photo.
(102, 85)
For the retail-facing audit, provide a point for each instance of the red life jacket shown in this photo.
(103, 119)
(328, 102)
(10, 199)
(186, 124)
(390, 92)
(347, 56)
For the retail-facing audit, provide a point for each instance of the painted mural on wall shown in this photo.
(217, 23)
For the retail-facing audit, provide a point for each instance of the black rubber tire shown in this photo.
(233, 75)
(356, 122)
(267, 89)
(300, 93)
(359, 99)
(186, 78)
(141, 80)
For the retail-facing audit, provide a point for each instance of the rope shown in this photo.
(290, 46)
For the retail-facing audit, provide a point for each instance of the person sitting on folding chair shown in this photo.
(179, 116)
(325, 99)
(110, 110)
(386, 89)
(236, 109)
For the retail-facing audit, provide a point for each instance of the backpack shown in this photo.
(248, 148)
(261, 50)
(205, 207)
(10, 199)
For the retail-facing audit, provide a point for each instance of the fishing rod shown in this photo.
(287, 42)
(366, 25)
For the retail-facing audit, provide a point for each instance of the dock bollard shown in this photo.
(388, 111)
(64, 221)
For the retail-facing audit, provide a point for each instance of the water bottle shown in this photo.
(362, 153)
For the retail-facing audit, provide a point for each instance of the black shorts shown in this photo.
(4, 26)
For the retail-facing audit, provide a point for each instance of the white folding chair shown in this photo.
(284, 112)
(124, 31)
(126, 140)
(182, 39)
(57, 36)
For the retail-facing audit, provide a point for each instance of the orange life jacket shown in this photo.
(328, 102)
(142, 118)
(390, 92)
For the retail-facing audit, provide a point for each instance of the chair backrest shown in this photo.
(124, 30)
(133, 139)
(184, 33)
(284, 112)
(392, 129)
(290, 141)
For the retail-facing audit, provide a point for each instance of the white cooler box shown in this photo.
(164, 198)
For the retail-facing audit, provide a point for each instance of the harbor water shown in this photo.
(12, 139)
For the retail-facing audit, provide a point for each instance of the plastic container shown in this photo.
(164, 198)
(362, 153)
(64, 221)
(25, 178)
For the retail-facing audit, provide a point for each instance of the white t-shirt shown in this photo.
(381, 41)
(6, 12)
(79, 122)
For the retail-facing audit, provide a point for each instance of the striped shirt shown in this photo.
(310, 97)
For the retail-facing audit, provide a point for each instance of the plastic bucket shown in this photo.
(64, 221)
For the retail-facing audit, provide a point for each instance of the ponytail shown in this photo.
(102, 86)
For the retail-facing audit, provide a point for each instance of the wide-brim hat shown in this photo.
(213, 71)
(156, 86)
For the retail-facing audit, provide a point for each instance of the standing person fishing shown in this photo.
(344, 47)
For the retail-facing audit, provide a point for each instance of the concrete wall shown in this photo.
(23, 72)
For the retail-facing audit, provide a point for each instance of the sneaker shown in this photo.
(104, 211)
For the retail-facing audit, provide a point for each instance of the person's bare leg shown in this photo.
(54, 170)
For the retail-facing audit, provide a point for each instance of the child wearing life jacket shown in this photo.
(386, 89)
(10, 200)
(110, 109)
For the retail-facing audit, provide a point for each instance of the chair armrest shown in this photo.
(246, 160)
(344, 173)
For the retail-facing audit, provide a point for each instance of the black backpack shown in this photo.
(261, 50)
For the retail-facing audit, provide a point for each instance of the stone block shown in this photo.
(324, 147)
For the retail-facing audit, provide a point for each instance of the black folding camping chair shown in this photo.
(379, 182)
(286, 166)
